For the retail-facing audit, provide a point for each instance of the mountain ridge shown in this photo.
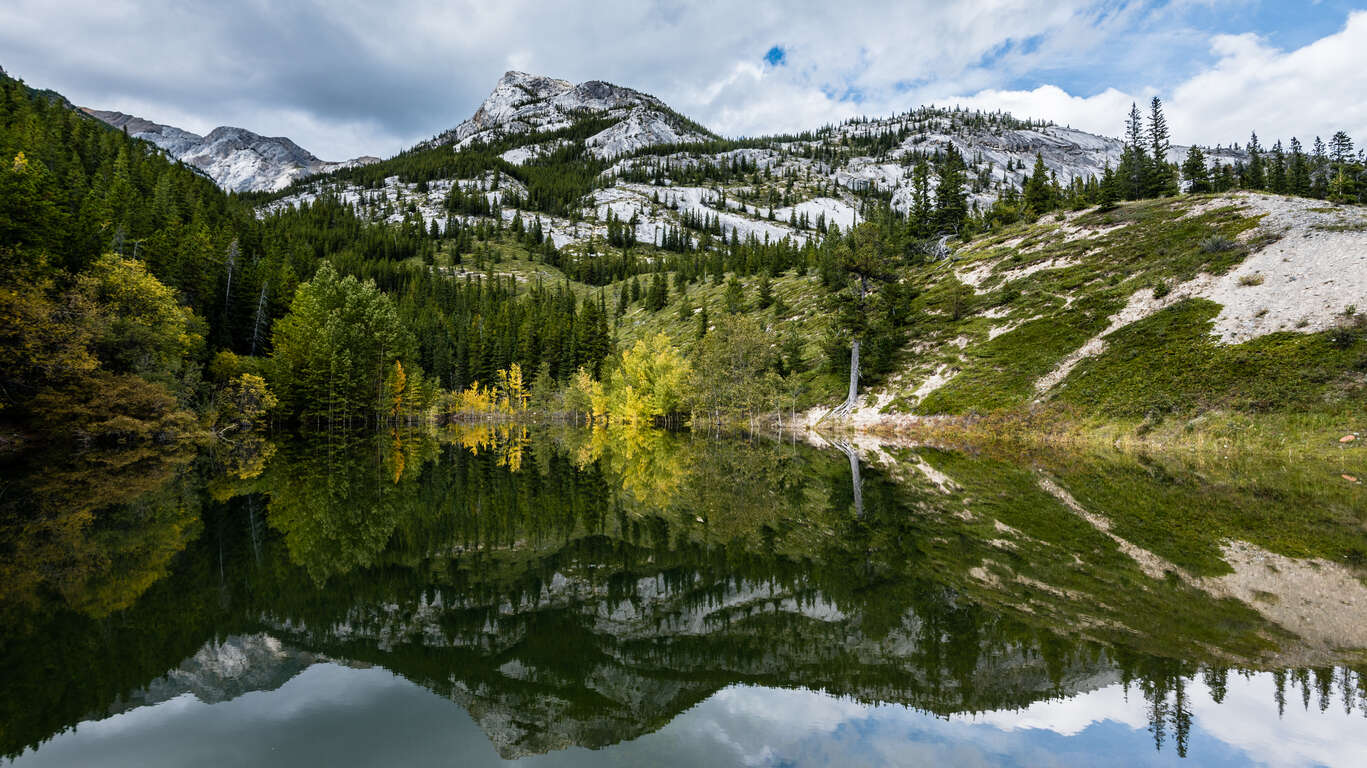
(637, 160)
(237, 159)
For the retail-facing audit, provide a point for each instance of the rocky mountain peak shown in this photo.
(522, 103)
(236, 159)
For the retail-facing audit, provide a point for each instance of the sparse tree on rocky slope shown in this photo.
(864, 261)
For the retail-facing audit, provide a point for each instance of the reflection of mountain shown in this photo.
(588, 662)
(223, 670)
(577, 589)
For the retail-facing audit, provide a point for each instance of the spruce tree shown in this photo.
(951, 200)
(733, 298)
(1133, 171)
(1038, 194)
(919, 218)
(1254, 174)
(1340, 149)
(1298, 170)
(766, 291)
(1107, 190)
(1161, 180)
(1277, 170)
(658, 295)
(1195, 172)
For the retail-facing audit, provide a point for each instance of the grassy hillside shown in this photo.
(1176, 306)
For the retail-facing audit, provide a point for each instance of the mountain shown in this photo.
(235, 158)
(526, 104)
(617, 141)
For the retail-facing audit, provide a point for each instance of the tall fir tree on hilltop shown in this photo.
(1162, 181)
(1255, 176)
(1132, 173)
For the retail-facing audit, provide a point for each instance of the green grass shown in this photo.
(1001, 373)
(1170, 363)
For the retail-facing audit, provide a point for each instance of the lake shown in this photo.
(556, 596)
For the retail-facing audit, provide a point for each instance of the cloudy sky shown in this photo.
(351, 77)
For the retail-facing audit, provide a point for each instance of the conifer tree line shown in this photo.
(135, 293)
(1333, 171)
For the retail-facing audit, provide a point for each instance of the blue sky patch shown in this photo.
(775, 56)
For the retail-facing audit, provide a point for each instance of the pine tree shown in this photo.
(1161, 180)
(951, 200)
(1038, 195)
(733, 298)
(1254, 175)
(766, 291)
(1276, 172)
(1340, 149)
(1298, 171)
(1107, 192)
(658, 295)
(1133, 171)
(919, 218)
(1195, 172)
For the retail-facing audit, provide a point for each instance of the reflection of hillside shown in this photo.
(1140, 553)
(569, 587)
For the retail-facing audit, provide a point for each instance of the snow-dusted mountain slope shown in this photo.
(523, 103)
(236, 159)
(770, 188)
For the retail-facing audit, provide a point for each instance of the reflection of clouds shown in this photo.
(1071, 716)
(1248, 719)
(762, 726)
(340, 716)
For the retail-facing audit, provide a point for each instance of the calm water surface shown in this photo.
(561, 597)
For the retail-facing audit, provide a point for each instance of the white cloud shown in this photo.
(348, 77)
(1103, 113)
(1313, 90)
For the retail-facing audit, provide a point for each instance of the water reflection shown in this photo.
(583, 589)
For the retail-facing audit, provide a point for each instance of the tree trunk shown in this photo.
(847, 406)
(854, 373)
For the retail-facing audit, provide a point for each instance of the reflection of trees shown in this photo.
(650, 464)
(96, 532)
(338, 500)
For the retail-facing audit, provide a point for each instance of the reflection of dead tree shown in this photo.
(858, 484)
